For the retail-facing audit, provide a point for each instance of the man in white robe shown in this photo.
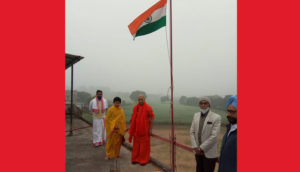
(98, 107)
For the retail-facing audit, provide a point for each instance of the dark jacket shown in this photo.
(228, 158)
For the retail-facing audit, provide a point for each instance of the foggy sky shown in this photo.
(204, 47)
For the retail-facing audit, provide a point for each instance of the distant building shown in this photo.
(76, 100)
(68, 97)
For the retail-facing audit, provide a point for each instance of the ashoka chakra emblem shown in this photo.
(148, 20)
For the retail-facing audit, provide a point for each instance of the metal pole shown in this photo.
(173, 165)
(71, 131)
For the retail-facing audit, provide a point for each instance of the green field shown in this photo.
(183, 115)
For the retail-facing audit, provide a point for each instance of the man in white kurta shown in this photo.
(98, 107)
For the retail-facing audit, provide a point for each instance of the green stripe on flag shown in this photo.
(151, 27)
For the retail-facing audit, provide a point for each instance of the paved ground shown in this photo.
(81, 156)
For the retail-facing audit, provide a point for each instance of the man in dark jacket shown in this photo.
(228, 158)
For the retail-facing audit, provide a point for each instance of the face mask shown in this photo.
(99, 97)
(204, 110)
(231, 120)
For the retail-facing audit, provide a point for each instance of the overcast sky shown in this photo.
(204, 47)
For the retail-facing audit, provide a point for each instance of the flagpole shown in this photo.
(172, 111)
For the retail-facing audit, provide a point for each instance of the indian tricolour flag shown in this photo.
(151, 20)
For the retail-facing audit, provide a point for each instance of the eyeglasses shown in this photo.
(231, 111)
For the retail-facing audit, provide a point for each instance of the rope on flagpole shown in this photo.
(167, 42)
(168, 50)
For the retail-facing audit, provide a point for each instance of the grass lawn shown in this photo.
(183, 115)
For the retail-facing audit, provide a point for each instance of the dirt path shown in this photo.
(185, 161)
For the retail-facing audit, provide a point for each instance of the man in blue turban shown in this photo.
(228, 157)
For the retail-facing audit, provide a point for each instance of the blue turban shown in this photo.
(232, 100)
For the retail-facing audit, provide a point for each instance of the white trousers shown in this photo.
(99, 134)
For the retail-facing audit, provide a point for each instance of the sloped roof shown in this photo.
(72, 59)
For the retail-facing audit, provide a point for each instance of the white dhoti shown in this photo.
(99, 134)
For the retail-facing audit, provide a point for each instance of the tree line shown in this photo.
(217, 102)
